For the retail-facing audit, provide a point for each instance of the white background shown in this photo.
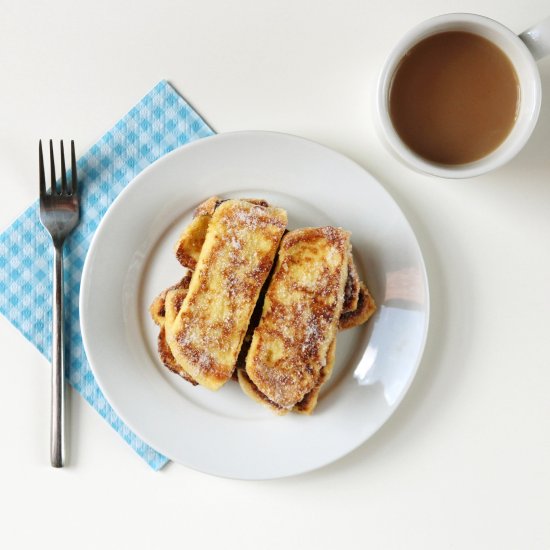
(465, 461)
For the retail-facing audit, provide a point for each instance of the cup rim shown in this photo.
(515, 140)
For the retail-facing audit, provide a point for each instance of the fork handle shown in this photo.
(57, 433)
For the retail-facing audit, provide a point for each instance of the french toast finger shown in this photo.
(300, 315)
(234, 262)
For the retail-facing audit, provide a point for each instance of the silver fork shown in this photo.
(59, 214)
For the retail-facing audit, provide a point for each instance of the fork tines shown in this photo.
(55, 189)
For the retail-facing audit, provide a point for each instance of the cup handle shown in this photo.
(537, 39)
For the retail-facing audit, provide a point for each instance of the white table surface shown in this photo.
(465, 461)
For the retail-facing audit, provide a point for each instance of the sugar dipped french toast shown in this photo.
(235, 259)
(300, 315)
(357, 306)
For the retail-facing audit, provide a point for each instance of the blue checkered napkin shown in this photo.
(159, 123)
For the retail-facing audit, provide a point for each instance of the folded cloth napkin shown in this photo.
(159, 123)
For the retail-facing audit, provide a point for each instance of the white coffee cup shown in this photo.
(522, 50)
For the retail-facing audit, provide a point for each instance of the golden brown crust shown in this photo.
(250, 389)
(300, 314)
(366, 307)
(163, 310)
(157, 307)
(309, 402)
(168, 359)
(189, 245)
(234, 262)
(207, 207)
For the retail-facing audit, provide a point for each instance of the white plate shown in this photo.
(131, 260)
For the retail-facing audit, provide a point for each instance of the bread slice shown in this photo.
(237, 255)
(300, 315)
(364, 310)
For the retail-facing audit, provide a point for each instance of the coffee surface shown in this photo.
(454, 97)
